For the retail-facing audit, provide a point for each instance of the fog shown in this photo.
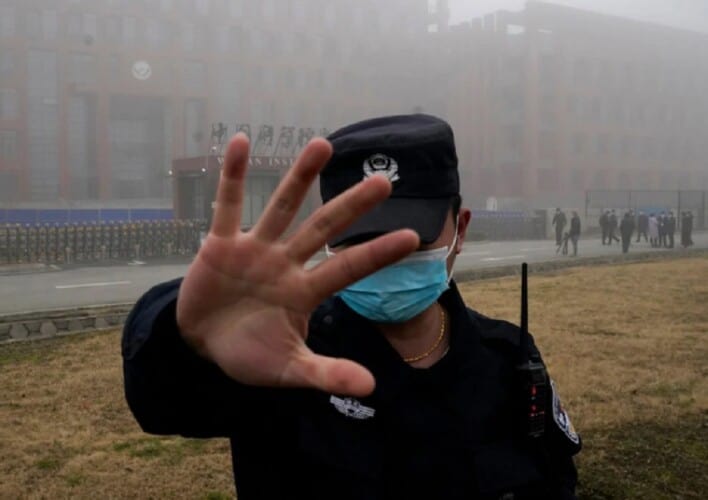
(119, 110)
(682, 14)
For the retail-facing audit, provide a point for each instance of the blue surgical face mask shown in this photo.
(403, 290)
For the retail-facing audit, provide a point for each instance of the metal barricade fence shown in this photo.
(507, 225)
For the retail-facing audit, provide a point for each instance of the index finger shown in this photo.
(356, 262)
(229, 194)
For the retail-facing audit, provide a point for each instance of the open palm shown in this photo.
(247, 297)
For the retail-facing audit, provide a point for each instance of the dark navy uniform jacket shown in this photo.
(446, 432)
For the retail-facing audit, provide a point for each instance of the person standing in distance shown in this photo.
(574, 232)
(642, 226)
(350, 378)
(670, 229)
(559, 222)
(612, 227)
(626, 230)
(605, 225)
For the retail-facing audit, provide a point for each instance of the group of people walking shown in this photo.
(658, 230)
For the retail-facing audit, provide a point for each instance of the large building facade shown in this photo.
(551, 101)
(97, 97)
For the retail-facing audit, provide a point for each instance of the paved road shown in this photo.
(61, 288)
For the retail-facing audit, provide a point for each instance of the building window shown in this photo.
(73, 25)
(299, 12)
(195, 76)
(8, 103)
(82, 27)
(268, 9)
(595, 108)
(237, 41)
(113, 29)
(8, 145)
(602, 144)
(194, 121)
(43, 119)
(157, 33)
(82, 68)
(130, 30)
(49, 24)
(114, 67)
(256, 39)
(578, 147)
(7, 62)
(648, 148)
(581, 70)
(90, 27)
(201, 7)
(79, 132)
(303, 43)
(7, 21)
(269, 78)
(33, 24)
(236, 8)
(300, 79)
(188, 37)
(577, 178)
(221, 38)
(546, 146)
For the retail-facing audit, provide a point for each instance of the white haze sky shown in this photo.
(687, 14)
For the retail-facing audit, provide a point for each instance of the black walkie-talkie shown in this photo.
(531, 373)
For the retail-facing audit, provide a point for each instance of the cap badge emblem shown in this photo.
(379, 164)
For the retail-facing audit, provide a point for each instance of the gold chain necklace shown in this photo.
(427, 353)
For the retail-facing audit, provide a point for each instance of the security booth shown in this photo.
(195, 181)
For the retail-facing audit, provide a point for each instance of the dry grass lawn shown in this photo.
(627, 346)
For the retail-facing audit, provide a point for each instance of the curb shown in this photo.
(36, 325)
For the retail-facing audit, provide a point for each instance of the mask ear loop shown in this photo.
(452, 247)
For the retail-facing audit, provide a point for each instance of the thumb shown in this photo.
(333, 375)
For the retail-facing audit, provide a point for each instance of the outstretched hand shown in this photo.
(246, 299)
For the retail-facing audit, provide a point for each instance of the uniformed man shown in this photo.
(626, 230)
(58, 238)
(392, 388)
(605, 225)
(32, 242)
(115, 240)
(686, 229)
(13, 243)
(4, 244)
(670, 229)
(662, 229)
(559, 221)
(24, 244)
(612, 227)
(44, 243)
(124, 240)
(642, 226)
(91, 235)
(574, 233)
(80, 248)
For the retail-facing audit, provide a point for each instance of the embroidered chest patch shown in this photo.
(352, 408)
